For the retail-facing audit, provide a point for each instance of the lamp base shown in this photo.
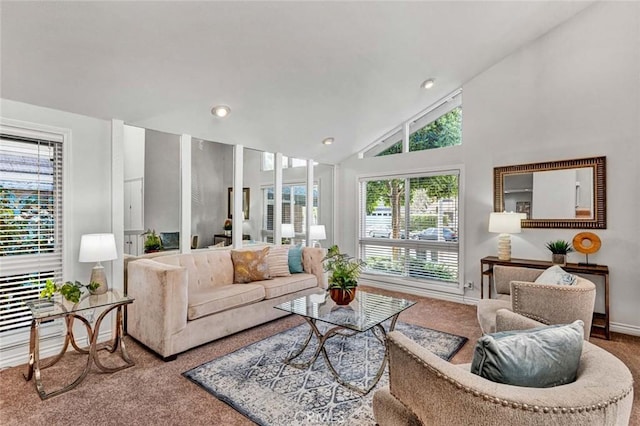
(98, 276)
(504, 247)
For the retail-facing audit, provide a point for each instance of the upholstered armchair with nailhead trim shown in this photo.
(426, 390)
(546, 303)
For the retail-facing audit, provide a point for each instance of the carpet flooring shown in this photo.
(155, 393)
(255, 381)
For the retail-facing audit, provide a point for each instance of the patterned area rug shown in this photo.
(255, 381)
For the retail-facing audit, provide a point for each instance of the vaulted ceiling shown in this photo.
(293, 73)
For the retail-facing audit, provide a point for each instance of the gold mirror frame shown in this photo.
(599, 220)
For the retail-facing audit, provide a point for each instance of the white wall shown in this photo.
(162, 182)
(89, 203)
(208, 190)
(572, 93)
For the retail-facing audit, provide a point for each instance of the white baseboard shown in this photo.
(632, 330)
(19, 354)
(616, 327)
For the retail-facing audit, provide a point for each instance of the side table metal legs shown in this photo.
(35, 366)
(378, 331)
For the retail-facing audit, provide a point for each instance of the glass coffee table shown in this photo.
(367, 312)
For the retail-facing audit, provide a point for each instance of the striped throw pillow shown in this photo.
(279, 261)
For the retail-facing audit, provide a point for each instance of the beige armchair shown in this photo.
(426, 390)
(546, 303)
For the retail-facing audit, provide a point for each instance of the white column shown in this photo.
(185, 193)
(117, 202)
(277, 199)
(309, 201)
(238, 170)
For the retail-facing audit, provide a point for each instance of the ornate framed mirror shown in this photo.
(555, 194)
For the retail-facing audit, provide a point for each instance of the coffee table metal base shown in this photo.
(378, 331)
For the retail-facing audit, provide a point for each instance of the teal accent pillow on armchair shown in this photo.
(540, 357)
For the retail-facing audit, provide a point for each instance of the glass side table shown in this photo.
(43, 310)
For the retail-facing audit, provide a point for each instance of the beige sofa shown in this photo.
(186, 300)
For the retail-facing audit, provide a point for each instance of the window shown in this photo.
(268, 162)
(438, 126)
(294, 209)
(30, 224)
(409, 226)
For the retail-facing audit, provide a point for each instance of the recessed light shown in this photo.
(220, 111)
(327, 141)
(428, 84)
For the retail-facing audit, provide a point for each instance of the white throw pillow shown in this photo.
(556, 275)
(278, 259)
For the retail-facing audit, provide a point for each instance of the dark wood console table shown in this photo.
(600, 326)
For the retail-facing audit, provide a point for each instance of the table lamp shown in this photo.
(505, 224)
(288, 232)
(98, 248)
(317, 233)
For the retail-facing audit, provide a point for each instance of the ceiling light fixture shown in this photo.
(327, 141)
(221, 111)
(428, 84)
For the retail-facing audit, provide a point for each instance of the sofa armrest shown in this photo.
(312, 263)
(555, 304)
(160, 308)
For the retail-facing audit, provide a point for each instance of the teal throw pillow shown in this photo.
(295, 259)
(556, 275)
(542, 357)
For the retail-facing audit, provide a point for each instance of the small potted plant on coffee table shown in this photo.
(559, 250)
(345, 271)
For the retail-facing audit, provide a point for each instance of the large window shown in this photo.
(30, 224)
(268, 162)
(294, 209)
(409, 226)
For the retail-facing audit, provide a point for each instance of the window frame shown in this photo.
(423, 118)
(265, 232)
(421, 284)
(14, 343)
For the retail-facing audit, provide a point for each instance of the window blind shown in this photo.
(30, 224)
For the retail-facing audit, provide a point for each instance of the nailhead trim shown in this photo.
(514, 404)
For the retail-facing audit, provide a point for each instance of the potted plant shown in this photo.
(152, 243)
(559, 250)
(345, 271)
(70, 290)
(227, 227)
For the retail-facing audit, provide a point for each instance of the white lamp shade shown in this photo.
(97, 247)
(506, 223)
(287, 230)
(317, 232)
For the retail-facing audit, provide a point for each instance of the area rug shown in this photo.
(255, 381)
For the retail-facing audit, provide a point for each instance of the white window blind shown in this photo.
(409, 226)
(30, 224)
(294, 202)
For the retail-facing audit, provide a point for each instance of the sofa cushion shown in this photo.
(279, 261)
(556, 275)
(250, 265)
(286, 285)
(541, 357)
(205, 302)
(295, 259)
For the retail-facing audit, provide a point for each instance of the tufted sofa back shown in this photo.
(209, 269)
